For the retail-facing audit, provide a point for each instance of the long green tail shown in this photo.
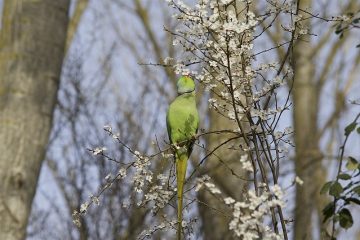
(181, 164)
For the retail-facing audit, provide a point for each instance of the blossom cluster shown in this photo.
(160, 195)
(219, 36)
(247, 216)
(151, 190)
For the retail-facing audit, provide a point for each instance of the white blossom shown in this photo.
(84, 207)
(299, 181)
(200, 182)
(95, 199)
(122, 173)
(213, 189)
(278, 134)
(276, 189)
(245, 163)
(99, 150)
(229, 200)
(107, 128)
(108, 177)
(168, 60)
(247, 216)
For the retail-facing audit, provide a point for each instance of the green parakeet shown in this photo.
(182, 122)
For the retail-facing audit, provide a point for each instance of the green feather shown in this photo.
(182, 122)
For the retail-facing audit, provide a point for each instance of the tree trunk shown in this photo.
(214, 224)
(308, 155)
(221, 168)
(32, 41)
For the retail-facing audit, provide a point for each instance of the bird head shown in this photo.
(185, 84)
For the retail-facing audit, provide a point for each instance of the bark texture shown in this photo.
(224, 168)
(214, 214)
(32, 42)
(308, 155)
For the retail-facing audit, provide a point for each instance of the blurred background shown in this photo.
(68, 68)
